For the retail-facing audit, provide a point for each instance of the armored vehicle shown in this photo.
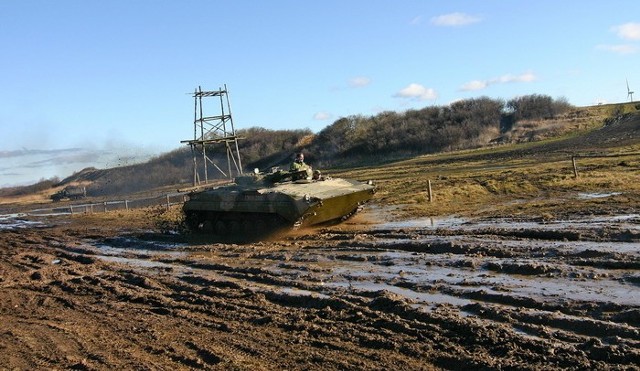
(262, 203)
(70, 193)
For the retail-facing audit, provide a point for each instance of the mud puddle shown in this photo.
(135, 252)
(630, 221)
(505, 293)
(538, 289)
(472, 267)
(17, 221)
(598, 195)
(425, 269)
(429, 270)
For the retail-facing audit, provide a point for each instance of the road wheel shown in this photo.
(220, 228)
(260, 227)
(235, 228)
(193, 221)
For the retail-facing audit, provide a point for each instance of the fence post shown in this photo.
(430, 193)
(575, 167)
(105, 206)
(126, 205)
(168, 205)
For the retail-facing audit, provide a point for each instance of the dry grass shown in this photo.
(470, 183)
(36, 198)
(156, 218)
(26, 199)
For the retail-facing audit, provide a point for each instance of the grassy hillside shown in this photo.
(534, 180)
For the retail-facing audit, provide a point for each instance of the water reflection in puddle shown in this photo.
(142, 263)
(422, 223)
(298, 292)
(423, 277)
(139, 255)
(586, 196)
(17, 221)
(631, 221)
(418, 298)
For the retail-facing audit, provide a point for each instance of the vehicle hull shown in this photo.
(288, 204)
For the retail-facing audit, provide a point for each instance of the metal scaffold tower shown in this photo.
(209, 131)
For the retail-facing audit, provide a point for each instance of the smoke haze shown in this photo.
(28, 166)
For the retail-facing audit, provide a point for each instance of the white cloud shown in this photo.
(322, 116)
(525, 77)
(628, 31)
(620, 48)
(474, 85)
(504, 79)
(455, 20)
(416, 20)
(359, 82)
(417, 92)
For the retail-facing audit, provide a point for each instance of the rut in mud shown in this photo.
(441, 294)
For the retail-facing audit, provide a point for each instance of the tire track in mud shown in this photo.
(196, 308)
(404, 299)
(297, 324)
(116, 289)
(600, 314)
(184, 302)
(542, 314)
(369, 337)
(584, 323)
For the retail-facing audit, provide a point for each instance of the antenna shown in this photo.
(629, 92)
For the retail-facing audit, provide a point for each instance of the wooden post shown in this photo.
(126, 205)
(168, 204)
(105, 206)
(575, 167)
(430, 193)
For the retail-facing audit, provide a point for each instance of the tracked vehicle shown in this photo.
(70, 193)
(258, 204)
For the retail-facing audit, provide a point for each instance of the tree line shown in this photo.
(463, 124)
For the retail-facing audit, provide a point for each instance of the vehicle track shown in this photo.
(471, 295)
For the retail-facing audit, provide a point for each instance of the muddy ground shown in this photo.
(114, 292)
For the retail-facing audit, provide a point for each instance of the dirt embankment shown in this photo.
(110, 293)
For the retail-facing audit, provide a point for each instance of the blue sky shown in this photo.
(108, 83)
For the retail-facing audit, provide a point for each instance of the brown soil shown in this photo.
(111, 292)
(537, 270)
